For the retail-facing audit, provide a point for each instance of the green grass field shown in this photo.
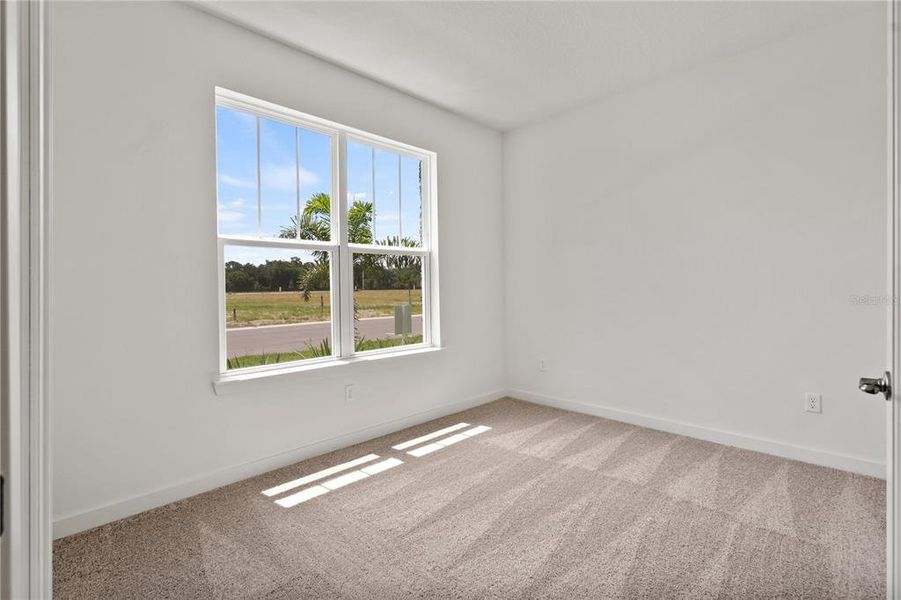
(256, 360)
(273, 308)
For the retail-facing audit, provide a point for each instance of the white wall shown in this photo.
(684, 254)
(135, 422)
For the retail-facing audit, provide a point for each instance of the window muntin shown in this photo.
(348, 202)
(411, 199)
(279, 178)
(315, 183)
(386, 200)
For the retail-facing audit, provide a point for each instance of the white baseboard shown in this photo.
(729, 438)
(75, 523)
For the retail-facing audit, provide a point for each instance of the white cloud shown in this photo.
(271, 207)
(308, 177)
(246, 118)
(230, 216)
(279, 177)
(237, 181)
(230, 212)
(284, 177)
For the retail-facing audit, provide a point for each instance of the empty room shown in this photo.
(464, 300)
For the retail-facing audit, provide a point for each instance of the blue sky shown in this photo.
(236, 151)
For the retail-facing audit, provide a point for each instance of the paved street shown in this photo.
(289, 338)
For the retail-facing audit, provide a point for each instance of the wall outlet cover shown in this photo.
(813, 402)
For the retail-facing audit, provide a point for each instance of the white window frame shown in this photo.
(340, 250)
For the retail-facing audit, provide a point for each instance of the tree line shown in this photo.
(274, 275)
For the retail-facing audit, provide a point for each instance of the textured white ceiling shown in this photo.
(507, 64)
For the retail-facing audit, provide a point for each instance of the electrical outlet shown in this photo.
(542, 365)
(813, 402)
(350, 392)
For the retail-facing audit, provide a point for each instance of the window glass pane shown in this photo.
(277, 305)
(411, 201)
(278, 179)
(388, 187)
(315, 185)
(236, 171)
(386, 218)
(359, 193)
(387, 301)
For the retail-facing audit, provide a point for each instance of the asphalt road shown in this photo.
(289, 338)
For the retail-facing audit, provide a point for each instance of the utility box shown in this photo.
(403, 319)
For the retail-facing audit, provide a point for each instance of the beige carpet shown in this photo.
(545, 504)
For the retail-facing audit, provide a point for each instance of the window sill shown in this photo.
(228, 382)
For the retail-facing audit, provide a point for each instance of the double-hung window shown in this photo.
(326, 239)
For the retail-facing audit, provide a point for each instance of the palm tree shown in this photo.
(316, 224)
(316, 221)
(407, 270)
(359, 223)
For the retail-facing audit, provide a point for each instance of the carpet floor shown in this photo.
(544, 504)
